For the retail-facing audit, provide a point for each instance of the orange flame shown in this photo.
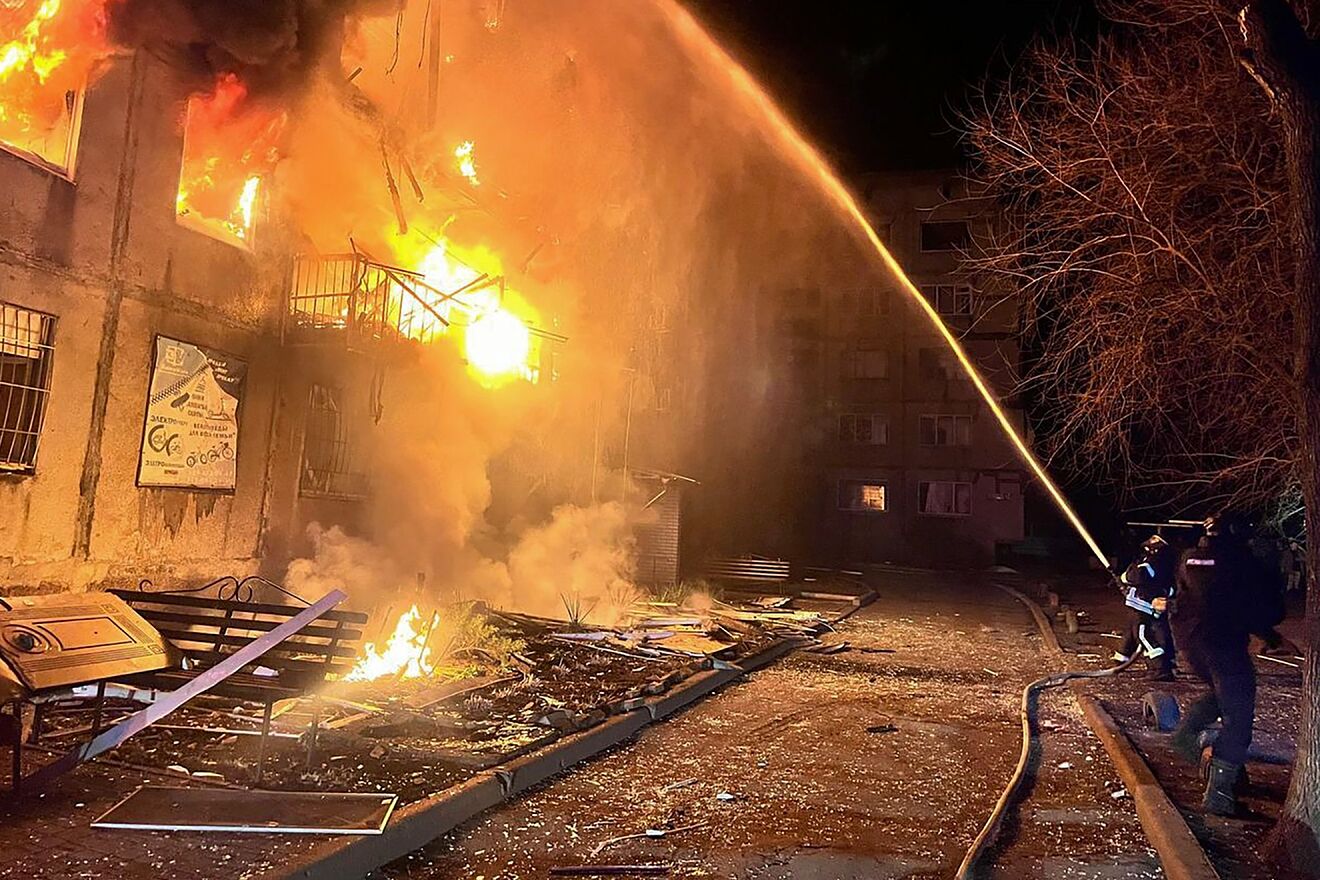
(47, 48)
(230, 145)
(404, 655)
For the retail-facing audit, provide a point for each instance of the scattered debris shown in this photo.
(650, 832)
(609, 870)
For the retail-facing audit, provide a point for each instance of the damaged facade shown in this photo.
(104, 281)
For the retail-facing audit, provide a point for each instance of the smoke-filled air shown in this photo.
(629, 200)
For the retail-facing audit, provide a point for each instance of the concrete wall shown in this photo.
(101, 250)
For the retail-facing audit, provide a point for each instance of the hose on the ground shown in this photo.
(990, 831)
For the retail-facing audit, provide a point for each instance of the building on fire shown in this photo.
(184, 390)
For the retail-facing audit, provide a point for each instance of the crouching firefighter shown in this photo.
(1221, 596)
(1149, 578)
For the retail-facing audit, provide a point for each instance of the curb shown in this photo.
(417, 824)
(1181, 855)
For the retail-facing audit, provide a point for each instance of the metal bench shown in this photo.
(208, 629)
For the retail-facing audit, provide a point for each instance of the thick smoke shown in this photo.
(273, 46)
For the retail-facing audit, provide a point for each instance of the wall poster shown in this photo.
(190, 436)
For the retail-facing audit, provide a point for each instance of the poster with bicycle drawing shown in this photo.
(190, 435)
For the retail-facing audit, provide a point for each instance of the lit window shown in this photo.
(949, 299)
(945, 430)
(329, 466)
(945, 235)
(867, 429)
(944, 498)
(867, 359)
(230, 148)
(26, 351)
(862, 496)
(46, 50)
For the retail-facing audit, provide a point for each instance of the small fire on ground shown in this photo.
(406, 654)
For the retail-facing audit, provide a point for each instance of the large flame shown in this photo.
(230, 145)
(47, 48)
(498, 343)
(405, 654)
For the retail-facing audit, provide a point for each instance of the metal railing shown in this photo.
(366, 300)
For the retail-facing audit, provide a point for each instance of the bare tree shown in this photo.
(1144, 182)
(1163, 186)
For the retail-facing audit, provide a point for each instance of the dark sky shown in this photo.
(874, 81)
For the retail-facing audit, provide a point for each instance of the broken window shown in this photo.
(230, 148)
(868, 429)
(944, 498)
(945, 235)
(329, 460)
(862, 496)
(44, 59)
(945, 430)
(26, 351)
(949, 299)
(867, 359)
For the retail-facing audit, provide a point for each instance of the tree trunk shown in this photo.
(1287, 61)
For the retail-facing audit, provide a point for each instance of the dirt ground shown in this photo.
(880, 761)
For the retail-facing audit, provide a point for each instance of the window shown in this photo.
(43, 67)
(867, 359)
(862, 496)
(26, 351)
(868, 429)
(935, 364)
(949, 299)
(944, 498)
(871, 302)
(328, 450)
(945, 235)
(945, 430)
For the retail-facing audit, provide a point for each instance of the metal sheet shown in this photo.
(161, 808)
(65, 639)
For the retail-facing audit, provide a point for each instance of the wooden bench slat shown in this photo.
(137, 597)
(216, 622)
(286, 647)
(241, 687)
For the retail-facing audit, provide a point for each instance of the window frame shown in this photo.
(934, 419)
(876, 420)
(857, 352)
(67, 169)
(39, 387)
(936, 292)
(882, 485)
(923, 494)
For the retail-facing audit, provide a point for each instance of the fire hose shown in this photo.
(1027, 712)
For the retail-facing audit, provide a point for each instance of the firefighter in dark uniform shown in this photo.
(1150, 577)
(1215, 609)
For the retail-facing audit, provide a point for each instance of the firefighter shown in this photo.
(1148, 578)
(1221, 597)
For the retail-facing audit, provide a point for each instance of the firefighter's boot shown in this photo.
(1186, 736)
(1219, 797)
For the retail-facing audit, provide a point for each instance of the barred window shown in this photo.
(27, 348)
(329, 455)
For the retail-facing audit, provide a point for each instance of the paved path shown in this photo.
(879, 762)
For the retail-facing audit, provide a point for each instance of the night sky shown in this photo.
(875, 82)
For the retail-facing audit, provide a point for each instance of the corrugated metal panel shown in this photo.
(747, 568)
(657, 542)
